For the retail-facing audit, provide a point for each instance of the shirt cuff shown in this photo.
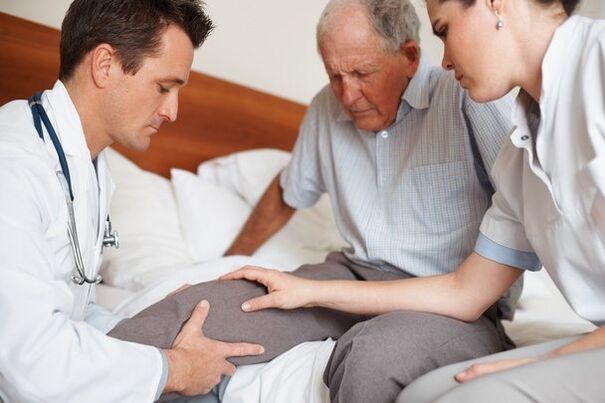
(164, 377)
(503, 255)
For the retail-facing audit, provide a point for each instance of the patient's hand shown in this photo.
(284, 290)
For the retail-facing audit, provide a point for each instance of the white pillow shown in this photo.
(248, 173)
(144, 213)
(211, 216)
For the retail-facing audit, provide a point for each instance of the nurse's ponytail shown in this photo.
(568, 5)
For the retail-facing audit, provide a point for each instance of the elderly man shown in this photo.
(404, 154)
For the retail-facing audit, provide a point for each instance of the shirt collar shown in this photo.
(553, 65)
(521, 131)
(68, 124)
(416, 94)
(552, 69)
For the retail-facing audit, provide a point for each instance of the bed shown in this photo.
(179, 205)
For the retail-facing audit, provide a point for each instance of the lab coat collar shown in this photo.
(106, 189)
(106, 181)
(416, 94)
(70, 132)
(68, 123)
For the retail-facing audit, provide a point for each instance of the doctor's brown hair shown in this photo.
(568, 5)
(133, 27)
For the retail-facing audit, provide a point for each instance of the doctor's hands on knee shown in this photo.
(284, 291)
(195, 362)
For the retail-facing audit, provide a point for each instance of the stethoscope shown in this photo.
(110, 237)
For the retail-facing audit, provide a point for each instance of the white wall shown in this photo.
(268, 45)
(592, 8)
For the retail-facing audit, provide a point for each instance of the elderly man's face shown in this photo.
(367, 80)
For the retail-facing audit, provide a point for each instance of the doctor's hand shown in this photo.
(284, 291)
(195, 362)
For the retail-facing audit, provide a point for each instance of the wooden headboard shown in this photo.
(215, 117)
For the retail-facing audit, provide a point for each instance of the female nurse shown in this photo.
(550, 180)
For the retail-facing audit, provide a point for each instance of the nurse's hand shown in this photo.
(195, 362)
(284, 291)
(490, 367)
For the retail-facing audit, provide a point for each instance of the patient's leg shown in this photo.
(276, 330)
(377, 358)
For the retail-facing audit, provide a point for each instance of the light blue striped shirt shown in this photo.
(409, 197)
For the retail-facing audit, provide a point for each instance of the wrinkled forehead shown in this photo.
(351, 43)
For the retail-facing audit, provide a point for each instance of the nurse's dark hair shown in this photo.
(133, 27)
(568, 5)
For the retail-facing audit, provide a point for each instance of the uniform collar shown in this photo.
(553, 65)
(68, 124)
(415, 96)
(552, 70)
(520, 134)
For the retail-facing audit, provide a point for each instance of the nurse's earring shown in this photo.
(499, 23)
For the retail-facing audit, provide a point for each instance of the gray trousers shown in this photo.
(373, 361)
(570, 378)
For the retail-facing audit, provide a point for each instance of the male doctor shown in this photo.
(122, 65)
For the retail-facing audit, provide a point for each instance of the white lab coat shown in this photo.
(52, 342)
(550, 194)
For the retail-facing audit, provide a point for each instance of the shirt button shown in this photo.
(524, 137)
(384, 134)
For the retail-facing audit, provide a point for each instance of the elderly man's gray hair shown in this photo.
(395, 21)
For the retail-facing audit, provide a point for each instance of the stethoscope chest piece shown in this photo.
(111, 239)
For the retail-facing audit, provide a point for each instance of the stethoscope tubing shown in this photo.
(40, 117)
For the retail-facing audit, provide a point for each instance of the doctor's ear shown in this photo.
(103, 59)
